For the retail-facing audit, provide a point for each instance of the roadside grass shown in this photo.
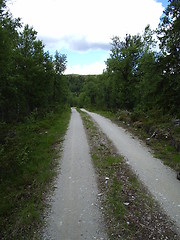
(140, 125)
(28, 159)
(129, 210)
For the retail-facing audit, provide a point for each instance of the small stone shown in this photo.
(100, 194)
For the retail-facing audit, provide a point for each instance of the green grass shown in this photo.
(115, 199)
(28, 163)
(167, 153)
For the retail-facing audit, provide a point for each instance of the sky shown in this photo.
(83, 29)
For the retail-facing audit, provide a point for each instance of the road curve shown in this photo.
(74, 212)
(159, 179)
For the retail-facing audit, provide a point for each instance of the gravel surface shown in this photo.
(105, 201)
(74, 209)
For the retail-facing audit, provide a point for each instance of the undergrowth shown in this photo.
(27, 161)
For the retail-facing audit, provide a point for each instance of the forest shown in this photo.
(31, 80)
(141, 79)
(142, 71)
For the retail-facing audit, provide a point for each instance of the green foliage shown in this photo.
(8, 41)
(27, 162)
(30, 79)
(85, 90)
(59, 83)
(169, 36)
(75, 83)
(122, 70)
(31, 85)
(137, 76)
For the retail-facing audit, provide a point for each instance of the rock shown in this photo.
(107, 179)
(154, 135)
(148, 140)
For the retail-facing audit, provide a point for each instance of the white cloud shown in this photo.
(94, 68)
(94, 20)
(81, 25)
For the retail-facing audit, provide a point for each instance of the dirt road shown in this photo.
(159, 179)
(74, 213)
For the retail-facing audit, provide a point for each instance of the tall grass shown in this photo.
(28, 157)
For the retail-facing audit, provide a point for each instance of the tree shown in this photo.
(59, 85)
(75, 85)
(122, 68)
(169, 36)
(89, 92)
(148, 73)
(29, 70)
(150, 77)
(29, 77)
(8, 42)
(60, 62)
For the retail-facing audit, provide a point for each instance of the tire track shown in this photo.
(74, 212)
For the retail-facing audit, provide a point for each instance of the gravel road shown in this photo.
(159, 179)
(74, 212)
